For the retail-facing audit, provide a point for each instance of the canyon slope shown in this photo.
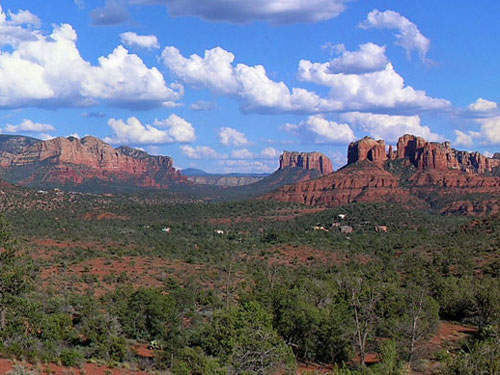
(417, 174)
(201, 177)
(91, 165)
(296, 167)
(82, 164)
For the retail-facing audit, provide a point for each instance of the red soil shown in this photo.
(87, 369)
(142, 350)
(140, 271)
(450, 332)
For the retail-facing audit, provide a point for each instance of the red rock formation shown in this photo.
(475, 162)
(409, 146)
(306, 160)
(62, 161)
(366, 149)
(422, 154)
(431, 155)
(366, 183)
(442, 172)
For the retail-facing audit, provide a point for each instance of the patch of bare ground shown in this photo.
(7, 365)
(105, 273)
(47, 249)
(59, 244)
(142, 350)
(448, 332)
(313, 369)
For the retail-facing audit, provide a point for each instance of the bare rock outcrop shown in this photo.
(366, 149)
(63, 161)
(306, 160)
(422, 154)
(440, 174)
(367, 183)
(441, 156)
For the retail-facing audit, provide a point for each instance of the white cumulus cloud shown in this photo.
(142, 41)
(318, 130)
(489, 132)
(232, 137)
(243, 11)
(48, 71)
(381, 89)
(201, 152)
(408, 35)
(24, 17)
(369, 58)
(203, 105)
(249, 84)
(242, 153)
(466, 139)
(390, 127)
(28, 126)
(368, 82)
(269, 153)
(483, 105)
(171, 130)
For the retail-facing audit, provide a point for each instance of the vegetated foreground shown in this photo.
(139, 283)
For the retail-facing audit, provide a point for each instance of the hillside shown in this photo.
(110, 276)
(82, 164)
(417, 174)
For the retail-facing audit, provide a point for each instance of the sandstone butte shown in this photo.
(61, 161)
(307, 161)
(435, 168)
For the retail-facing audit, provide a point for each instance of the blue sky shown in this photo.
(227, 86)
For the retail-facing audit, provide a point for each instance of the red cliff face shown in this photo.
(423, 155)
(366, 183)
(306, 160)
(366, 149)
(440, 172)
(430, 155)
(62, 161)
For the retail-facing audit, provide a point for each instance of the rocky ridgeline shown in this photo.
(62, 161)
(440, 171)
(423, 155)
(306, 160)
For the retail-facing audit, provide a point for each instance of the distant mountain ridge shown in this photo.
(422, 155)
(417, 174)
(90, 164)
(199, 176)
(73, 162)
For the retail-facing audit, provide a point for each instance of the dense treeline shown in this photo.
(385, 294)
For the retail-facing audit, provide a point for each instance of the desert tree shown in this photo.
(363, 296)
(16, 273)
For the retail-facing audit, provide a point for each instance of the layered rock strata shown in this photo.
(462, 181)
(62, 161)
(423, 155)
(306, 160)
